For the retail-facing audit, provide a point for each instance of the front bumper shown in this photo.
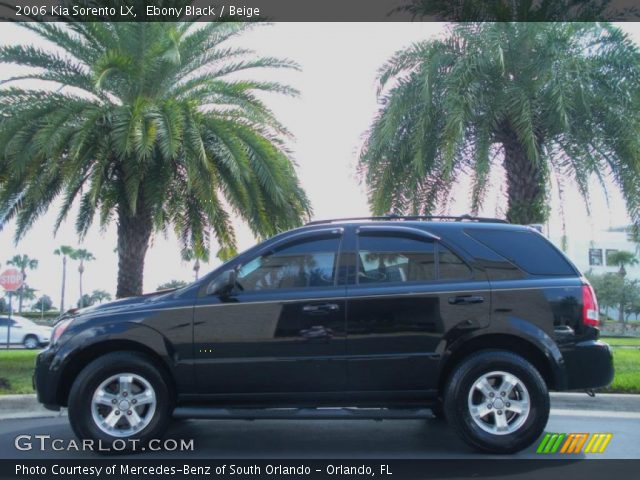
(45, 382)
(588, 365)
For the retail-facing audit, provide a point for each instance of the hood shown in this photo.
(145, 301)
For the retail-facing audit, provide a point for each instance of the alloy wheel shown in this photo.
(123, 405)
(499, 403)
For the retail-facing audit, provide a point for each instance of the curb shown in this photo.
(616, 402)
(24, 406)
(27, 406)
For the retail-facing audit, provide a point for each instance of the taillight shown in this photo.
(590, 314)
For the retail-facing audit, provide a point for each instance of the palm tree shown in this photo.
(28, 293)
(171, 285)
(24, 263)
(100, 296)
(622, 258)
(64, 251)
(83, 256)
(190, 256)
(510, 10)
(535, 97)
(85, 301)
(146, 127)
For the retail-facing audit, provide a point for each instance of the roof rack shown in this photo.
(447, 218)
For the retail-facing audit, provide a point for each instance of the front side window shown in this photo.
(304, 264)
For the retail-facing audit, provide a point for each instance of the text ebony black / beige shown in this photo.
(476, 319)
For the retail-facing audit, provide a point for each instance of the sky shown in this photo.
(328, 120)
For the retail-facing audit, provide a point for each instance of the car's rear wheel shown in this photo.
(497, 402)
(30, 342)
(120, 397)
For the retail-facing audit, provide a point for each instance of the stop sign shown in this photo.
(11, 279)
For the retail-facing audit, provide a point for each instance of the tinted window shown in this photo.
(450, 266)
(305, 264)
(528, 250)
(387, 259)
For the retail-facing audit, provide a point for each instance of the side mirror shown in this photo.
(224, 284)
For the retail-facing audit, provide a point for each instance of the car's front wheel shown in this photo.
(120, 397)
(497, 402)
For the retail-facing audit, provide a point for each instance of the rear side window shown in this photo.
(395, 258)
(530, 251)
(450, 266)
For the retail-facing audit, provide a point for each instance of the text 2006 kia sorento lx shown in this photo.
(474, 318)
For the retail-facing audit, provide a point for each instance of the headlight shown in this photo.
(59, 329)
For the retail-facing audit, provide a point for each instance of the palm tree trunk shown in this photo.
(621, 315)
(134, 232)
(20, 299)
(64, 280)
(24, 278)
(525, 184)
(81, 297)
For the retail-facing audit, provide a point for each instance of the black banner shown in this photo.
(391, 469)
(319, 11)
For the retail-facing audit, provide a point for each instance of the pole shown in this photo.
(9, 321)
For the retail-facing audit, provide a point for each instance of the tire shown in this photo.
(31, 342)
(128, 378)
(501, 429)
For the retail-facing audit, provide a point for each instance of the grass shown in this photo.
(622, 341)
(16, 368)
(627, 365)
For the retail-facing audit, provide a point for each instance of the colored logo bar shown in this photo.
(574, 443)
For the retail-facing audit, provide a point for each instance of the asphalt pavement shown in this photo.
(320, 439)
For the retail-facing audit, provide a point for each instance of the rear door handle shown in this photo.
(322, 308)
(466, 299)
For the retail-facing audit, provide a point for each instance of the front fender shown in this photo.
(57, 368)
(88, 339)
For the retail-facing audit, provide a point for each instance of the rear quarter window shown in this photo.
(529, 251)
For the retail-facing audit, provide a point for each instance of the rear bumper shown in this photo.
(588, 365)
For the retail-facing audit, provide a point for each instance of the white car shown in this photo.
(23, 332)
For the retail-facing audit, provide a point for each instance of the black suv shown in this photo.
(473, 318)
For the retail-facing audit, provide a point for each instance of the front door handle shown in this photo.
(466, 299)
(321, 308)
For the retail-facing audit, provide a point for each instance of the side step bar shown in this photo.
(212, 413)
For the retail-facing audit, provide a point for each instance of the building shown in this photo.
(592, 254)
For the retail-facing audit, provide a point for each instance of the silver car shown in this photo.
(24, 332)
